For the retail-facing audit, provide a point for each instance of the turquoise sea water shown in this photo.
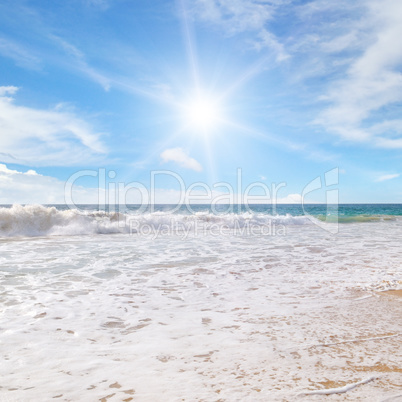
(280, 209)
(344, 213)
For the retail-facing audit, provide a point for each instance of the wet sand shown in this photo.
(396, 293)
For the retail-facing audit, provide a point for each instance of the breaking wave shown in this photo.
(38, 220)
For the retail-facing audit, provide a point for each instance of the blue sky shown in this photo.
(285, 90)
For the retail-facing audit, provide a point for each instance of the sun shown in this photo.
(202, 114)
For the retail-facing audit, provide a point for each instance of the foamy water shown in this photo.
(37, 220)
(103, 314)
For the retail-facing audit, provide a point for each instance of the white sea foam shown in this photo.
(250, 318)
(37, 220)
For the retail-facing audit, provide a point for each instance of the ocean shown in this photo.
(215, 303)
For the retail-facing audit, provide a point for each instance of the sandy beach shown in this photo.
(200, 201)
(223, 318)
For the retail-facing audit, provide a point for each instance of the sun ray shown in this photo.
(254, 70)
(190, 46)
(201, 113)
(211, 168)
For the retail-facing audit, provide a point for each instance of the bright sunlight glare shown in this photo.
(202, 114)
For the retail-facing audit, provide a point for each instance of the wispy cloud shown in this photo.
(180, 157)
(22, 56)
(44, 137)
(387, 177)
(238, 16)
(268, 40)
(340, 43)
(42, 44)
(372, 83)
(80, 63)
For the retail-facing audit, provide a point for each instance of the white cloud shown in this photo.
(237, 16)
(372, 82)
(38, 47)
(28, 187)
(9, 90)
(340, 43)
(291, 199)
(80, 63)
(5, 170)
(387, 177)
(44, 137)
(20, 54)
(178, 156)
(268, 40)
(32, 188)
